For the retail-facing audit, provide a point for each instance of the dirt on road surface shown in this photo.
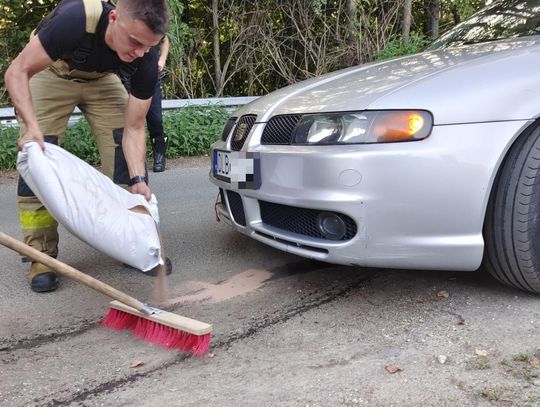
(287, 331)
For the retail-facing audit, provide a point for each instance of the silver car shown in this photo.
(429, 161)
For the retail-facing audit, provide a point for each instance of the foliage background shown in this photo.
(252, 47)
(247, 47)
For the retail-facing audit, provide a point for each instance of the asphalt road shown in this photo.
(287, 331)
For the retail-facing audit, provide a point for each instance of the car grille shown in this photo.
(279, 129)
(300, 220)
(243, 127)
(227, 128)
(236, 207)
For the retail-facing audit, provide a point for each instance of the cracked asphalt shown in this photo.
(289, 332)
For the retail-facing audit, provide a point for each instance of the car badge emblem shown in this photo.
(240, 132)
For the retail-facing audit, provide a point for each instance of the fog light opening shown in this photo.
(331, 225)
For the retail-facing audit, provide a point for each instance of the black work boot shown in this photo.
(42, 279)
(160, 148)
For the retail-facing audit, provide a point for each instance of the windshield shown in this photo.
(503, 19)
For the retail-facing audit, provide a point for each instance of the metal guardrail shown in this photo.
(8, 118)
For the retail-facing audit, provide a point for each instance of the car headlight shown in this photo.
(384, 126)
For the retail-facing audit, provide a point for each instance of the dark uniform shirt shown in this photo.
(63, 32)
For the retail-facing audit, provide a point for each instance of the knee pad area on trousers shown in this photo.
(22, 188)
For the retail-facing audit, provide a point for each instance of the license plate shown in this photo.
(240, 169)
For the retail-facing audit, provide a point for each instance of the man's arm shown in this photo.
(163, 53)
(30, 61)
(134, 142)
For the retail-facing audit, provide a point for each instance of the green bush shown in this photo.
(191, 130)
(8, 146)
(78, 140)
(396, 47)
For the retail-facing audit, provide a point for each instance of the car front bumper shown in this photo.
(415, 205)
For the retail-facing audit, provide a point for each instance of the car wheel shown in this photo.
(512, 224)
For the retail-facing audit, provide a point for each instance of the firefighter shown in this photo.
(76, 57)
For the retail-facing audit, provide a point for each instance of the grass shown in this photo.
(516, 385)
(492, 394)
(521, 357)
(524, 365)
(478, 363)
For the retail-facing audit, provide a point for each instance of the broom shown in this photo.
(151, 324)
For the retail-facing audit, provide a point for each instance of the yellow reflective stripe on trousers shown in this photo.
(36, 219)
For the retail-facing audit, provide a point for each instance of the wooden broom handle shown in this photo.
(69, 271)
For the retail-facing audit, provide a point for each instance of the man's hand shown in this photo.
(163, 52)
(142, 189)
(36, 136)
(161, 64)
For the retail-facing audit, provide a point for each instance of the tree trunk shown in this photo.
(250, 61)
(185, 14)
(455, 14)
(406, 22)
(351, 26)
(351, 33)
(216, 47)
(433, 7)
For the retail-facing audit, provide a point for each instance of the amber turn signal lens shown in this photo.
(392, 126)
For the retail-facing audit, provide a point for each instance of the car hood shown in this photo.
(482, 82)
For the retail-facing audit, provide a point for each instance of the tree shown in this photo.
(432, 29)
(406, 21)
(17, 19)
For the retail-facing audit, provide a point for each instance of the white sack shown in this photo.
(91, 206)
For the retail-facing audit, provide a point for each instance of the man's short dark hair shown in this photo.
(154, 13)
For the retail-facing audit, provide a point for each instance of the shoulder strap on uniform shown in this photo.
(93, 10)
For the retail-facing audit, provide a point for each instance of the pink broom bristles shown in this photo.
(157, 333)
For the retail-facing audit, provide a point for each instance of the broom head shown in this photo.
(161, 327)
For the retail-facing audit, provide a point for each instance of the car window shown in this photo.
(502, 19)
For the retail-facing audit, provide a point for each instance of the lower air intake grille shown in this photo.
(236, 207)
(302, 221)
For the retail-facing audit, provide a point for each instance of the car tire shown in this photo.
(512, 224)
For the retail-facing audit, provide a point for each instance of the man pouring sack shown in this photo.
(76, 58)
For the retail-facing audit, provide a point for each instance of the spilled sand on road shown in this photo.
(240, 284)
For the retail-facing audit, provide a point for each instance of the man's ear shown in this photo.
(113, 16)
